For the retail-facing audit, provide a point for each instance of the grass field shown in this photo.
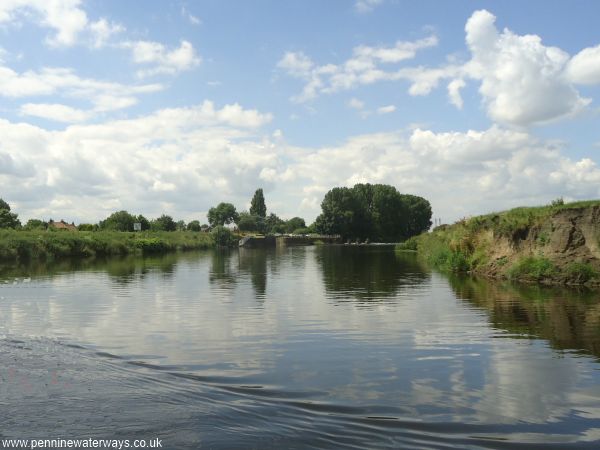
(47, 245)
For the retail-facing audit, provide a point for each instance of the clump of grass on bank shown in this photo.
(409, 245)
(532, 268)
(580, 272)
(48, 245)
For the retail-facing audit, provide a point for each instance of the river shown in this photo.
(299, 347)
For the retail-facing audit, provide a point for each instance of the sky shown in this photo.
(174, 106)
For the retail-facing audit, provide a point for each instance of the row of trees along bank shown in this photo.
(377, 212)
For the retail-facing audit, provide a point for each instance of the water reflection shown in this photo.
(222, 273)
(568, 319)
(368, 273)
(253, 262)
(120, 269)
(319, 341)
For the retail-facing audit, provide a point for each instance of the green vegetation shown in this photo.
(49, 245)
(222, 214)
(223, 237)
(257, 205)
(410, 244)
(580, 272)
(194, 225)
(532, 268)
(377, 212)
(514, 222)
(7, 218)
(471, 245)
(163, 223)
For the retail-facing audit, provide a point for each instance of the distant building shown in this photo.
(62, 225)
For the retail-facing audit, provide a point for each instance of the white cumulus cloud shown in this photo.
(584, 67)
(365, 6)
(386, 109)
(364, 67)
(523, 82)
(160, 59)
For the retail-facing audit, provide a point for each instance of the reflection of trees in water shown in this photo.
(121, 269)
(221, 272)
(254, 262)
(567, 318)
(368, 273)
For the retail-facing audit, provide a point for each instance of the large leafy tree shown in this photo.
(341, 212)
(8, 219)
(375, 211)
(145, 223)
(418, 215)
(118, 221)
(36, 224)
(194, 225)
(294, 223)
(222, 214)
(247, 222)
(273, 224)
(163, 223)
(257, 205)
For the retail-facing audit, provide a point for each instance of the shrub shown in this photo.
(532, 268)
(580, 272)
(223, 237)
(409, 244)
(152, 245)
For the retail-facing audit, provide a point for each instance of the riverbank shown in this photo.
(18, 245)
(554, 244)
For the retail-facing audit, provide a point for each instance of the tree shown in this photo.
(118, 221)
(86, 227)
(418, 214)
(294, 223)
(340, 206)
(194, 225)
(163, 223)
(145, 223)
(257, 205)
(374, 211)
(36, 224)
(274, 224)
(8, 219)
(223, 236)
(222, 214)
(180, 225)
(4, 205)
(247, 222)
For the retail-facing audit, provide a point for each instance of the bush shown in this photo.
(152, 245)
(532, 268)
(223, 237)
(409, 244)
(580, 272)
(302, 231)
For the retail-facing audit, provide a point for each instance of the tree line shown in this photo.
(377, 212)
(256, 218)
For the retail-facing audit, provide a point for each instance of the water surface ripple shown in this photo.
(301, 347)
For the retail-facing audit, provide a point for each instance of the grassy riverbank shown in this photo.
(554, 244)
(48, 245)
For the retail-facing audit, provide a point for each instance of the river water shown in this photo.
(299, 347)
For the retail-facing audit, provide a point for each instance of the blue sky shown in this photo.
(172, 106)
